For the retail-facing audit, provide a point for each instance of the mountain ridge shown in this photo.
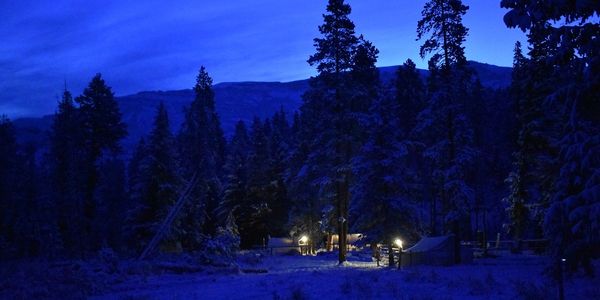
(234, 101)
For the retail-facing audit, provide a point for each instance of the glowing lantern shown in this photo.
(398, 242)
(303, 240)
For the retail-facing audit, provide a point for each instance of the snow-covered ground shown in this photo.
(319, 277)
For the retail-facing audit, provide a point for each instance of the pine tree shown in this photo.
(254, 227)
(27, 211)
(101, 118)
(410, 94)
(383, 206)
(102, 130)
(310, 211)
(564, 85)
(443, 123)
(538, 127)
(201, 153)
(163, 181)
(334, 56)
(236, 171)
(442, 22)
(336, 48)
(364, 76)
(279, 143)
(157, 189)
(517, 199)
(137, 185)
(8, 168)
(384, 203)
(111, 204)
(65, 159)
(572, 221)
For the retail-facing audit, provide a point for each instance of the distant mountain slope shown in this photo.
(234, 101)
(491, 76)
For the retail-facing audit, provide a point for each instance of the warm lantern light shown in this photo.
(398, 243)
(303, 240)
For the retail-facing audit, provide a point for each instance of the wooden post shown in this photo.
(390, 254)
(400, 259)
(561, 286)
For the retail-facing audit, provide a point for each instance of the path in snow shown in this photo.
(296, 277)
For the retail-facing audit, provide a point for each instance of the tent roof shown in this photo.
(282, 242)
(429, 244)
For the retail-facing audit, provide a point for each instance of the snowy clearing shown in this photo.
(304, 277)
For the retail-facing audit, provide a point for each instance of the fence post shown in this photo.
(561, 287)
(400, 259)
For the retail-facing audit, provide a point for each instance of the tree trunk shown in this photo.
(391, 254)
(341, 227)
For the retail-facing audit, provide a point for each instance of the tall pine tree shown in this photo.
(568, 54)
(158, 187)
(236, 176)
(443, 123)
(329, 102)
(65, 158)
(201, 153)
(102, 130)
(517, 199)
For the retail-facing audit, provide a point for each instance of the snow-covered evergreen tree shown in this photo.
(517, 200)
(137, 182)
(410, 95)
(64, 158)
(236, 174)
(330, 103)
(279, 143)
(201, 153)
(155, 182)
(254, 228)
(308, 202)
(443, 124)
(441, 25)
(384, 202)
(383, 207)
(565, 57)
(573, 219)
(111, 204)
(102, 129)
(410, 100)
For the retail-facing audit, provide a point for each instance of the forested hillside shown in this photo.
(465, 149)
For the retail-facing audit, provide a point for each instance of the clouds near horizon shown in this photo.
(158, 45)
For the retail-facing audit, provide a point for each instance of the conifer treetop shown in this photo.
(336, 47)
(445, 34)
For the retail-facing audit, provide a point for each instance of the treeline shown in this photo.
(412, 157)
(554, 184)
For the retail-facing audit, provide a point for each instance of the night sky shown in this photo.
(159, 45)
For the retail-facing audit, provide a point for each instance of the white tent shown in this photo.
(437, 250)
(429, 244)
(283, 245)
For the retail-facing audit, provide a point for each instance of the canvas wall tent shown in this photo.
(353, 240)
(278, 245)
(434, 251)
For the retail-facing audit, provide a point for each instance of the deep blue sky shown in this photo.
(159, 45)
